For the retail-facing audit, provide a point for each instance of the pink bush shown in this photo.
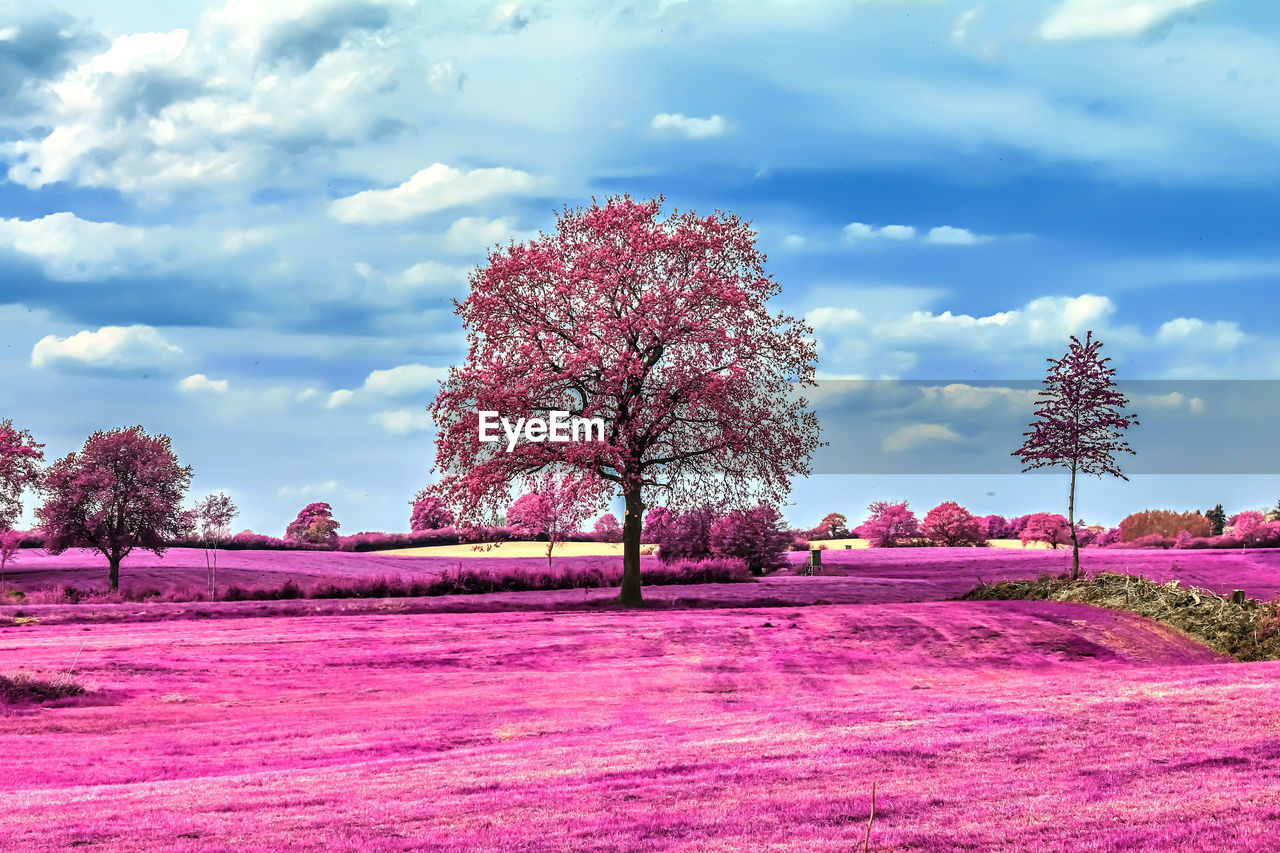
(950, 524)
(1247, 527)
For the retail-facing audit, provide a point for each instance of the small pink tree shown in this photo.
(429, 512)
(661, 328)
(891, 525)
(20, 456)
(607, 528)
(950, 524)
(1078, 425)
(122, 491)
(314, 525)
(9, 541)
(213, 517)
(1046, 527)
(555, 507)
(757, 536)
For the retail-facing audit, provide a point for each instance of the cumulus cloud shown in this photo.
(1189, 331)
(855, 231)
(404, 380)
(339, 398)
(403, 421)
(942, 235)
(476, 234)
(431, 274)
(110, 347)
(1075, 19)
(437, 187)
(833, 317)
(910, 436)
(948, 235)
(198, 383)
(690, 127)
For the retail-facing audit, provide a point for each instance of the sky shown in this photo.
(242, 224)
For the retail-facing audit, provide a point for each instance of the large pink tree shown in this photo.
(20, 456)
(1079, 424)
(659, 326)
(123, 490)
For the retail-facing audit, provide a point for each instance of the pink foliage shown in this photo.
(9, 542)
(659, 327)
(998, 527)
(891, 525)
(314, 525)
(756, 536)
(429, 512)
(950, 524)
(556, 507)
(1046, 527)
(19, 458)
(686, 535)
(607, 528)
(122, 491)
(1247, 527)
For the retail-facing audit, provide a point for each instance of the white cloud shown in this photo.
(310, 490)
(943, 235)
(1188, 331)
(833, 317)
(690, 127)
(306, 394)
(431, 274)
(437, 187)
(910, 436)
(403, 421)
(1074, 19)
(198, 383)
(794, 241)
(960, 29)
(476, 234)
(950, 236)
(404, 380)
(110, 347)
(855, 231)
(339, 398)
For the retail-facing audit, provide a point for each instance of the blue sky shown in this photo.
(241, 224)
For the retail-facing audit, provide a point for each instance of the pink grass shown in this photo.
(1009, 725)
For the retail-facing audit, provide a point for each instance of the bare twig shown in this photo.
(71, 671)
(866, 842)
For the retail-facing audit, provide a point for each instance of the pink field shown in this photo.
(404, 726)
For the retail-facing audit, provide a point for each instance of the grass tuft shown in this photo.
(27, 689)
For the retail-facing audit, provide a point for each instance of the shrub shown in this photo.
(1164, 522)
(950, 524)
(27, 689)
(891, 525)
(1248, 527)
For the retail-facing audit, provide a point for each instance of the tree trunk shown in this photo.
(632, 524)
(1071, 522)
(115, 572)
